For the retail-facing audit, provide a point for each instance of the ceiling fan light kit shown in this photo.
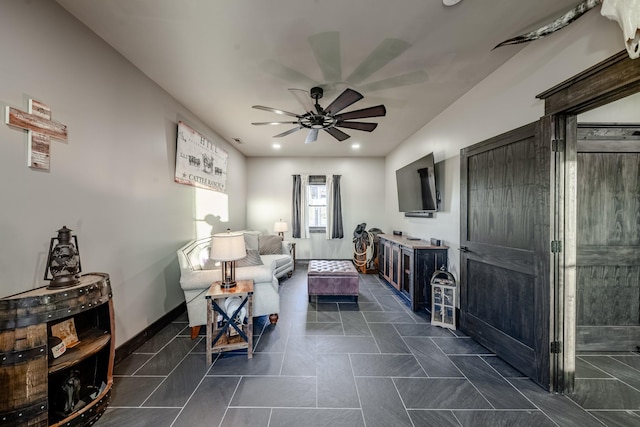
(317, 118)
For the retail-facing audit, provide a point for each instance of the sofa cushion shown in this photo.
(277, 260)
(251, 240)
(270, 244)
(252, 258)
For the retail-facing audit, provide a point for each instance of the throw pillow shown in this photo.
(270, 244)
(251, 240)
(252, 258)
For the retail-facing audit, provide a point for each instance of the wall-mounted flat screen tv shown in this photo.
(416, 183)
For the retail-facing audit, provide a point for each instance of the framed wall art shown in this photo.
(199, 162)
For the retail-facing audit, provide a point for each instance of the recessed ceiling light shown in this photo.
(355, 146)
(276, 146)
(450, 2)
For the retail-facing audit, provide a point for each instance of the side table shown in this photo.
(293, 254)
(227, 335)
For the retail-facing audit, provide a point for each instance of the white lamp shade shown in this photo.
(227, 247)
(280, 227)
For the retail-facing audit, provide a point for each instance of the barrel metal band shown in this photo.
(23, 356)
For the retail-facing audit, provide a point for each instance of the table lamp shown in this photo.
(280, 227)
(227, 248)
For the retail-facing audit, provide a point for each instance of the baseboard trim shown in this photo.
(134, 343)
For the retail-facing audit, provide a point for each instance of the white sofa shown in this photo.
(197, 272)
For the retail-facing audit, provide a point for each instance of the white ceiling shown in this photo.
(218, 58)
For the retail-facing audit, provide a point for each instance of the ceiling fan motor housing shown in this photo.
(316, 93)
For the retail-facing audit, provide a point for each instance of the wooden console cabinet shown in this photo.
(34, 385)
(407, 265)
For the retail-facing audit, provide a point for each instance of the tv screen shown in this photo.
(416, 184)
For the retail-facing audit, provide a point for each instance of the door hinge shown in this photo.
(556, 246)
(555, 347)
(557, 145)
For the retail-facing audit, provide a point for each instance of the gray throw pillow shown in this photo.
(270, 244)
(252, 258)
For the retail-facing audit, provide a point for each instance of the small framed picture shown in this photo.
(66, 331)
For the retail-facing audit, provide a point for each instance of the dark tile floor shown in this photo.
(374, 363)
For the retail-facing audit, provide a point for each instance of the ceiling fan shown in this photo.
(327, 119)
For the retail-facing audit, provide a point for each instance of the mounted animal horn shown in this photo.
(625, 12)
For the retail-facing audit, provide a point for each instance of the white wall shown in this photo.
(503, 101)
(269, 192)
(112, 183)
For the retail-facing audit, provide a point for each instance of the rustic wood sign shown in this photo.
(40, 129)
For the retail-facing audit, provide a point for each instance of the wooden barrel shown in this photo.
(24, 359)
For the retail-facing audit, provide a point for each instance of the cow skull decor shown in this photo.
(625, 12)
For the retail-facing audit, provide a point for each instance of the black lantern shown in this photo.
(63, 261)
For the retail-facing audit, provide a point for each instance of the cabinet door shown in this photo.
(396, 266)
(407, 282)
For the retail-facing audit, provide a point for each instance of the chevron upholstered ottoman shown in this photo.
(332, 277)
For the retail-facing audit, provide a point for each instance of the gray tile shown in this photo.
(166, 359)
(421, 330)
(336, 384)
(347, 345)
(493, 386)
(562, 410)
(299, 364)
(390, 303)
(617, 369)
(276, 392)
(354, 324)
(633, 361)
(162, 338)
(209, 402)
(381, 404)
(605, 394)
(386, 365)
(328, 316)
(439, 393)
(139, 417)
(618, 418)
(434, 362)
(503, 418)
(360, 306)
(502, 367)
(388, 339)
(272, 339)
(452, 346)
(246, 417)
(132, 391)
(584, 369)
(238, 364)
(289, 417)
(131, 363)
(181, 383)
(433, 418)
(314, 328)
(387, 317)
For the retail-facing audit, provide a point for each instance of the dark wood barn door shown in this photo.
(608, 238)
(505, 248)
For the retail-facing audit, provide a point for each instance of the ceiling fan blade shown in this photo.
(386, 52)
(377, 111)
(337, 134)
(326, 50)
(368, 127)
(304, 99)
(275, 110)
(412, 78)
(346, 98)
(287, 74)
(273, 123)
(312, 136)
(289, 132)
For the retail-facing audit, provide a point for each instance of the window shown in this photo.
(317, 200)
